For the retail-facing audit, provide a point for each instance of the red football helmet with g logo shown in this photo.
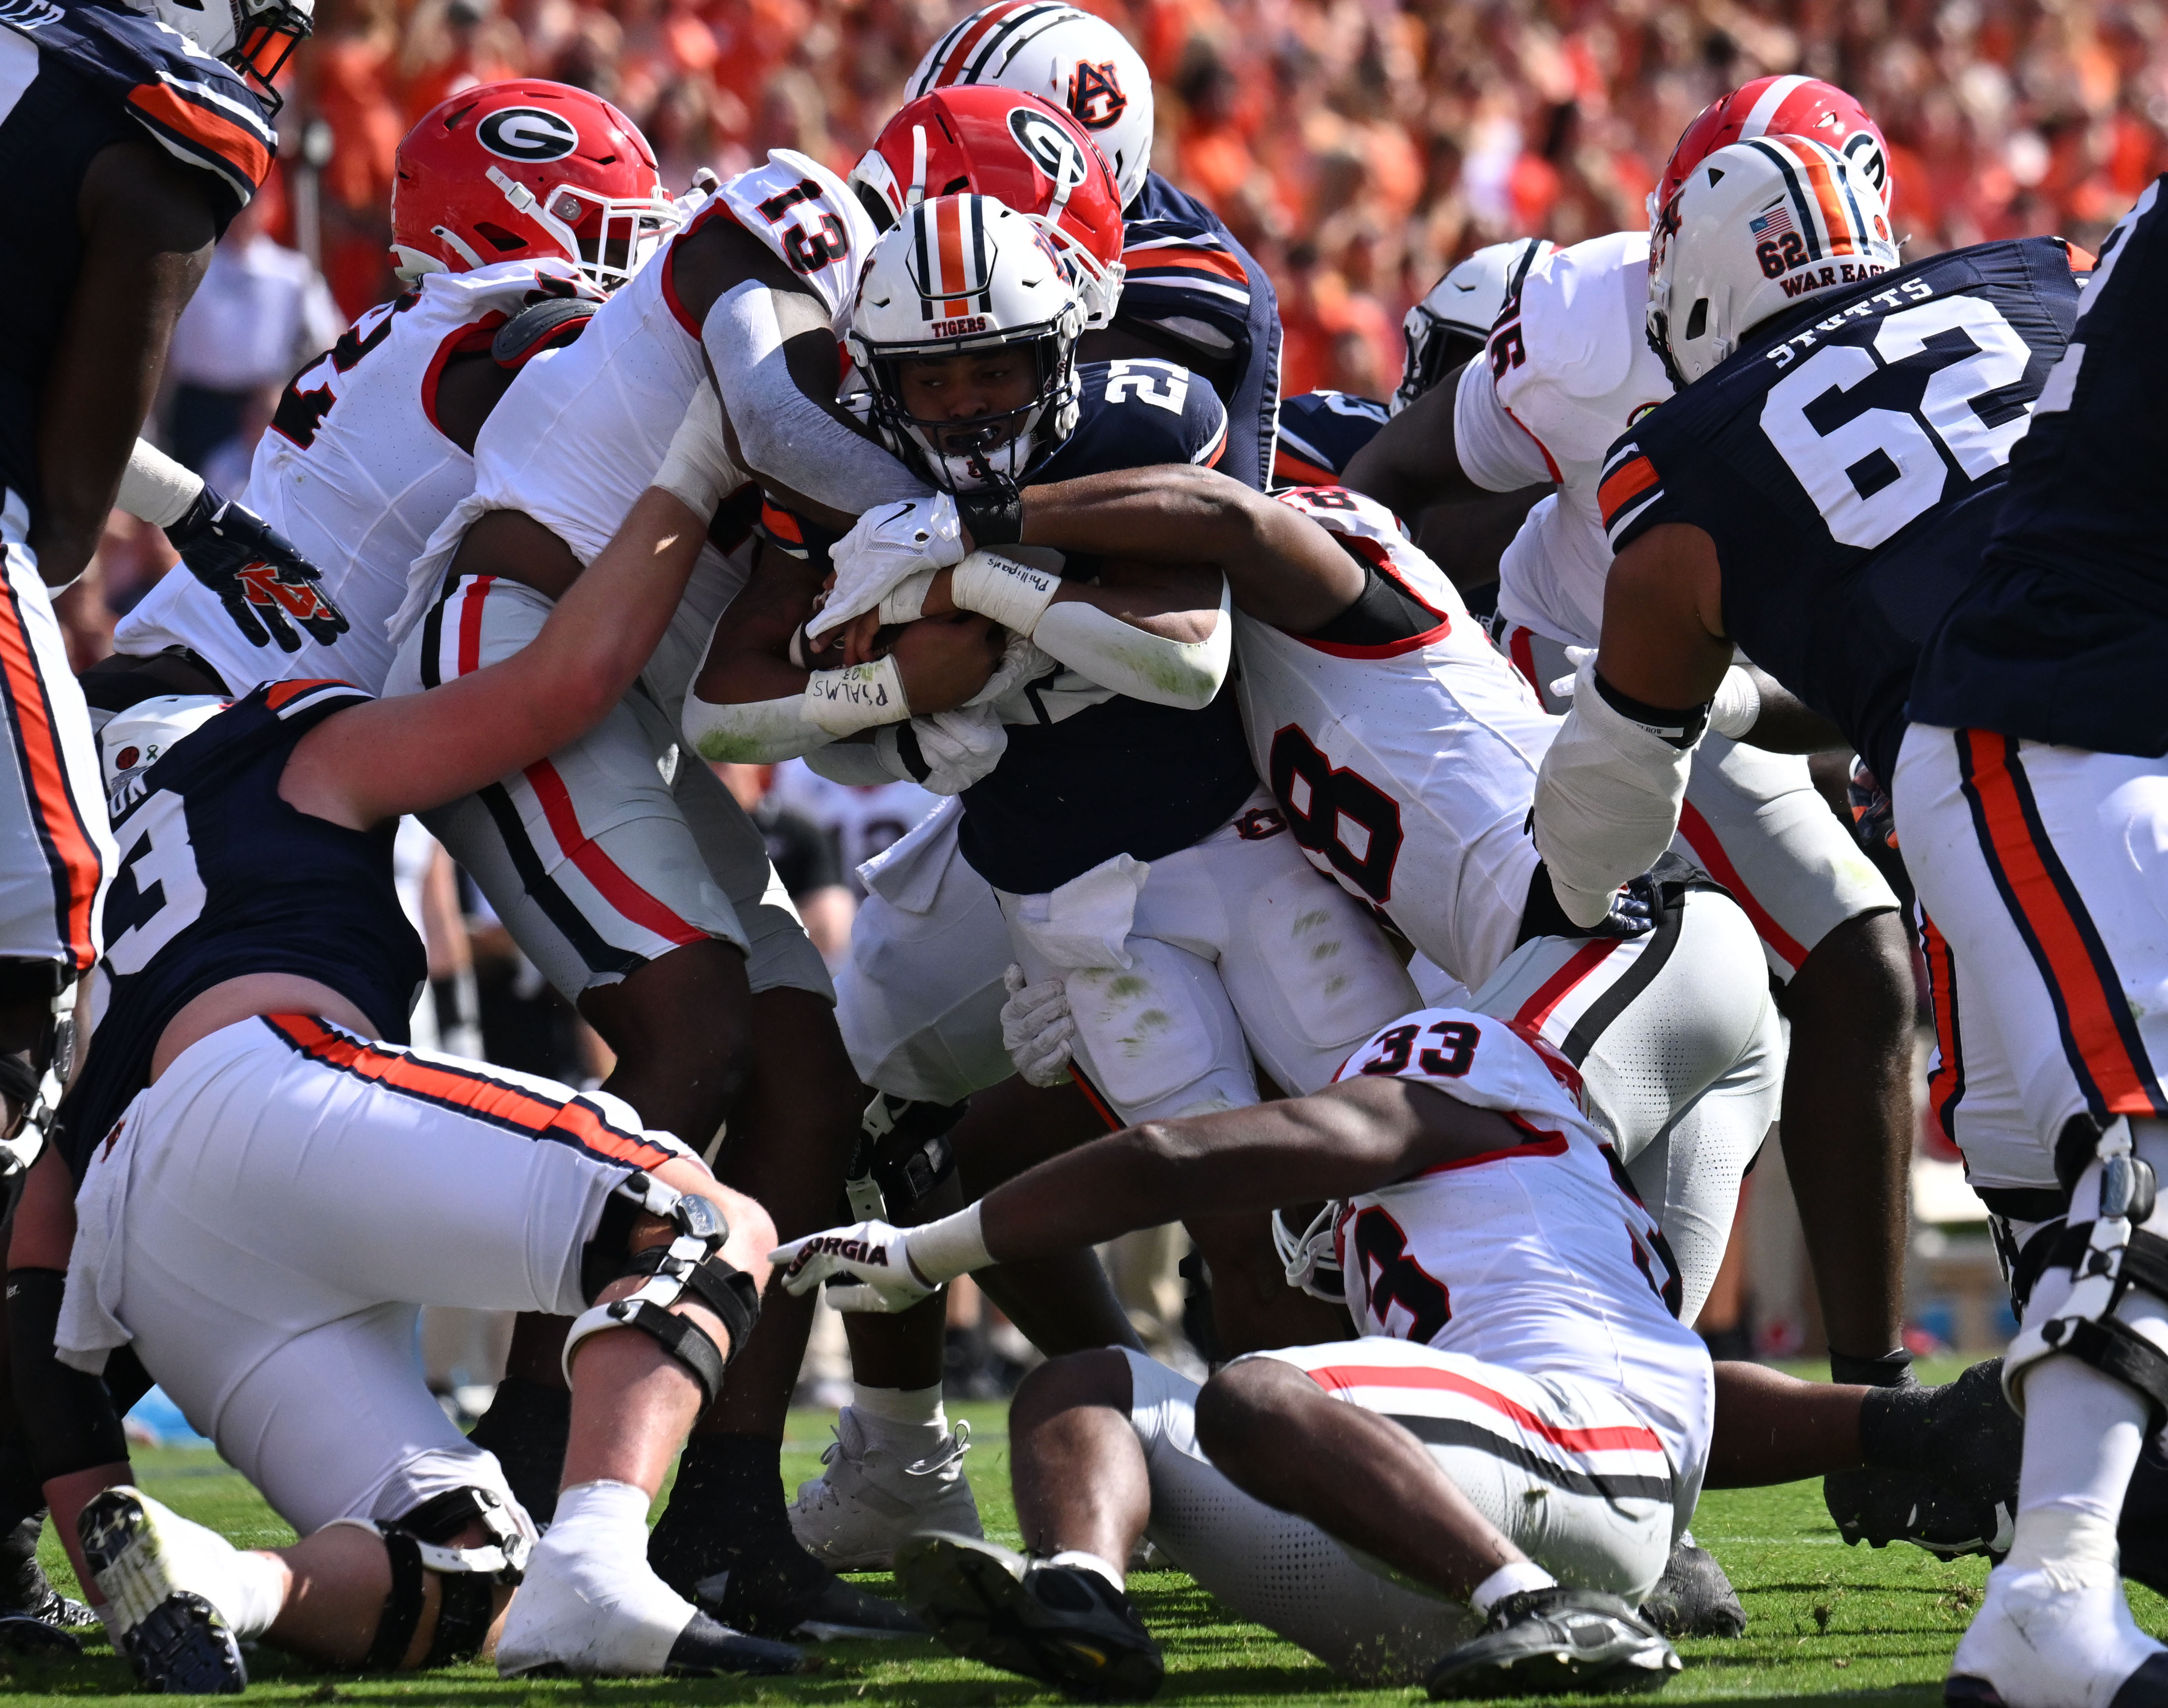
(1025, 152)
(1788, 106)
(522, 170)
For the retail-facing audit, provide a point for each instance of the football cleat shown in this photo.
(177, 1641)
(26, 1593)
(2061, 1637)
(1060, 1625)
(1693, 1598)
(869, 1498)
(1945, 1471)
(1543, 1642)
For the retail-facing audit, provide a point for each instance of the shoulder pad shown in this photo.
(809, 217)
(1576, 325)
(549, 325)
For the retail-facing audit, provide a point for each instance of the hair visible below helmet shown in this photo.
(255, 37)
(1026, 153)
(525, 170)
(1080, 63)
(1787, 106)
(964, 276)
(1757, 228)
(1454, 321)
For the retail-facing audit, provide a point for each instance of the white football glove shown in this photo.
(959, 747)
(874, 1255)
(885, 546)
(1038, 1030)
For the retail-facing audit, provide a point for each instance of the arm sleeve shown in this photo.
(1496, 452)
(755, 732)
(1142, 665)
(787, 437)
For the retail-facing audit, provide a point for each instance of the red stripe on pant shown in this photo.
(1718, 864)
(1606, 1439)
(70, 857)
(610, 879)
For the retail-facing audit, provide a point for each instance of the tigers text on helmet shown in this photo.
(966, 276)
(255, 37)
(1081, 63)
(522, 170)
(1788, 106)
(1757, 228)
(1454, 321)
(1024, 151)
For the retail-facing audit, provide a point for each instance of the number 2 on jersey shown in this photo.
(1159, 383)
(1883, 469)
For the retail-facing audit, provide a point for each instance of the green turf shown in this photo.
(1824, 1619)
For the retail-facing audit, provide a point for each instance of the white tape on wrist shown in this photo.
(1011, 592)
(858, 696)
(905, 602)
(1737, 707)
(156, 488)
(942, 1250)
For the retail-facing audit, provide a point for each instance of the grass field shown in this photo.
(1824, 1619)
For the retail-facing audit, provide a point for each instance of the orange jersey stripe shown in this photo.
(1627, 482)
(74, 859)
(1143, 260)
(285, 694)
(205, 128)
(2081, 980)
(1289, 469)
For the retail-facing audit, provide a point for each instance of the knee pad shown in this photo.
(2107, 1257)
(689, 1264)
(418, 1543)
(903, 1153)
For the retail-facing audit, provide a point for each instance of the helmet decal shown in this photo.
(527, 134)
(1094, 94)
(948, 262)
(1059, 156)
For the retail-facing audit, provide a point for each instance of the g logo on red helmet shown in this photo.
(529, 135)
(1054, 151)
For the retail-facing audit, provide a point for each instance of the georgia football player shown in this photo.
(1569, 371)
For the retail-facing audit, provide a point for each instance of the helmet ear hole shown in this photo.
(1697, 318)
(499, 237)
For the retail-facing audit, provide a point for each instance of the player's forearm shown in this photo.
(1175, 514)
(1413, 462)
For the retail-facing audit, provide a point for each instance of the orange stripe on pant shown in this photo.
(470, 1090)
(1946, 1083)
(69, 851)
(2099, 1036)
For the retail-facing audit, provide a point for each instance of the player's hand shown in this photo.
(872, 1256)
(945, 662)
(1038, 1030)
(1873, 818)
(886, 545)
(259, 575)
(958, 748)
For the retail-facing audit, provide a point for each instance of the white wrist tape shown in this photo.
(858, 696)
(759, 732)
(942, 1250)
(1134, 662)
(1737, 707)
(696, 469)
(905, 602)
(156, 488)
(1606, 801)
(1011, 591)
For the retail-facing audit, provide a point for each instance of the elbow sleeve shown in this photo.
(1608, 797)
(1132, 661)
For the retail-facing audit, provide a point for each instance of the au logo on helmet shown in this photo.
(529, 134)
(1094, 94)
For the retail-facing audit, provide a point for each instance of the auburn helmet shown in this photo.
(1073, 59)
(523, 170)
(255, 37)
(1026, 154)
(1788, 106)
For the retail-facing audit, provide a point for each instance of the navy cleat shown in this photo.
(705, 1650)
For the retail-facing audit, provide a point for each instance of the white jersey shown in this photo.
(354, 471)
(1405, 772)
(1570, 370)
(1535, 1257)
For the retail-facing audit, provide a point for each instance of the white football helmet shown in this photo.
(255, 37)
(1453, 322)
(1069, 57)
(963, 275)
(1755, 229)
(129, 742)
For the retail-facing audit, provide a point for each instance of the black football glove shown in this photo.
(258, 574)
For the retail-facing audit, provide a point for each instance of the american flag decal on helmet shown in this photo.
(950, 263)
(1818, 199)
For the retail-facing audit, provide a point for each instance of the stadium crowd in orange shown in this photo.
(1356, 146)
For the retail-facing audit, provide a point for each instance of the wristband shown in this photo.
(858, 696)
(942, 1250)
(1737, 707)
(156, 488)
(991, 518)
(905, 602)
(1013, 594)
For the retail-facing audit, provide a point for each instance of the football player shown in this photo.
(1568, 369)
(1838, 600)
(254, 990)
(134, 135)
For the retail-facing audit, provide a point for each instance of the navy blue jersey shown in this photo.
(1319, 433)
(1193, 288)
(219, 876)
(75, 78)
(1090, 774)
(1848, 462)
(2063, 635)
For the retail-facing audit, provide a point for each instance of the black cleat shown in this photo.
(1941, 1469)
(1693, 1598)
(27, 1635)
(1060, 1626)
(821, 1610)
(1543, 1641)
(705, 1649)
(25, 1591)
(177, 1642)
(525, 1429)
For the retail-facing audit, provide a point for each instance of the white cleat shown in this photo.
(578, 1614)
(164, 1580)
(2056, 1638)
(869, 1498)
